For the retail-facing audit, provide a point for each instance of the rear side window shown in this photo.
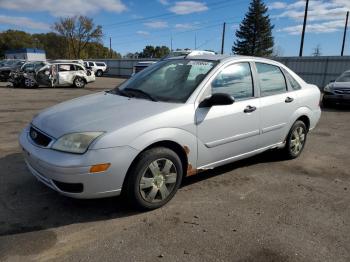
(91, 64)
(235, 80)
(271, 79)
(64, 68)
(293, 83)
(100, 64)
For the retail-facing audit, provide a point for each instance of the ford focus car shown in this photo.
(174, 119)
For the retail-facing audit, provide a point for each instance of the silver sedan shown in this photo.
(174, 119)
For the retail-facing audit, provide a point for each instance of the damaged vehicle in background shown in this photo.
(58, 75)
(17, 77)
(337, 92)
(7, 67)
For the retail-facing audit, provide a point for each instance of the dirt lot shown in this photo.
(260, 209)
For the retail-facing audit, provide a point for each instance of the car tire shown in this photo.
(79, 82)
(326, 103)
(153, 179)
(296, 140)
(29, 83)
(99, 73)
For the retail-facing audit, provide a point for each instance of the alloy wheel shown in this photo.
(297, 140)
(158, 181)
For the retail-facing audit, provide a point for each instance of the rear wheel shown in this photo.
(296, 140)
(79, 82)
(154, 179)
(99, 73)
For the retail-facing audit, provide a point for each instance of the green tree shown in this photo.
(14, 39)
(154, 52)
(78, 32)
(254, 36)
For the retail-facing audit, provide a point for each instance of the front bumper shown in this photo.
(68, 173)
(337, 99)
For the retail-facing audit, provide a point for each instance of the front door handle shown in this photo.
(289, 99)
(249, 109)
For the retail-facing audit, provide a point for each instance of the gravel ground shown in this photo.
(259, 209)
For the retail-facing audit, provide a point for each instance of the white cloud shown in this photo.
(23, 22)
(323, 27)
(156, 24)
(277, 5)
(188, 7)
(185, 26)
(64, 7)
(143, 33)
(164, 2)
(323, 16)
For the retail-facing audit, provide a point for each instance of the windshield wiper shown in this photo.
(140, 92)
(118, 92)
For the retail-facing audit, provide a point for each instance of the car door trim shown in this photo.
(232, 139)
(273, 128)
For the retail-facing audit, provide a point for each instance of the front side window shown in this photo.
(271, 79)
(235, 80)
(100, 64)
(65, 68)
(91, 64)
(169, 80)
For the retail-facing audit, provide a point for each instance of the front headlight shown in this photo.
(76, 142)
(327, 88)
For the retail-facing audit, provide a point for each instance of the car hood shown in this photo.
(97, 112)
(341, 85)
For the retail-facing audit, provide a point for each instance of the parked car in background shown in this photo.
(99, 68)
(174, 119)
(59, 75)
(183, 52)
(338, 91)
(7, 67)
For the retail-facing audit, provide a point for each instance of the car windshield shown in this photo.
(168, 80)
(345, 77)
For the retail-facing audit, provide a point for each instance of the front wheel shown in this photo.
(296, 140)
(154, 178)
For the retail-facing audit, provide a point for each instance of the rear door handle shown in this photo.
(289, 99)
(249, 109)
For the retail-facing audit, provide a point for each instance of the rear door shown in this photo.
(277, 104)
(66, 73)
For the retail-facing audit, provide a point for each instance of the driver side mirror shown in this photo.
(217, 99)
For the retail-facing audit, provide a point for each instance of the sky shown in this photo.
(132, 24)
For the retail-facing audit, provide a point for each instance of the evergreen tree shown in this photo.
(254, 36)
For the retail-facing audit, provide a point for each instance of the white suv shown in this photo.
(98, 67)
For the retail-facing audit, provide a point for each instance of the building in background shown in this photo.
(30, 54)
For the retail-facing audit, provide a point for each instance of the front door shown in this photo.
(226, 132)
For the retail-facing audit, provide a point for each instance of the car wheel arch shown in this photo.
(181, 151)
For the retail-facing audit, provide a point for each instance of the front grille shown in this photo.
(341, 91)
(39, 137)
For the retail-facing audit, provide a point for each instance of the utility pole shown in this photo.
(345, 29)
(110, 47)
(171, 43)
(304, 26)
(195, 41)
(223, 38)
